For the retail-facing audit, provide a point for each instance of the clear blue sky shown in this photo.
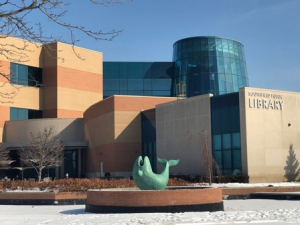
(269, 30)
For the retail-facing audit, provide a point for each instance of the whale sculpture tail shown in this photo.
(171, 162)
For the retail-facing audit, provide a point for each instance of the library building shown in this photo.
(109, 113)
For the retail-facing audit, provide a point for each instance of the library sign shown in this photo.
(262, 100)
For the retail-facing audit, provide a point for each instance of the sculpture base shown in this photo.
(173, 199)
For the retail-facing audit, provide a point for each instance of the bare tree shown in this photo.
(43, 149)
(210, 164)
(15, 21)
(5, 159)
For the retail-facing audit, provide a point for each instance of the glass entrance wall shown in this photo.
(149, 137)
(71, 163)
(208, 65)
(226, 140)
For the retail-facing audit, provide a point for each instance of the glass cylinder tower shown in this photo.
(208, 65)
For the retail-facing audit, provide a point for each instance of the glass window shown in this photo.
(225, 122)
(147, 84)
(35, 76)
(227, 65)
(204, 45)
(219, 47)
(221, 66)
(235, 83)
(211, 45)
(236, 140)
(237, 159)
(124, 92)
(123, 70)
(107, 93)
(227, 159)
(18, 114)
(22, 75)
(146, 70)
(110, 70)
(135, 70)
(111, 84)
(145, 151)
(123, 84)
(212, 64)
(234, 118)
(35, 114)
(233, 67)
(218, 158)
(23, 114)
(150, 150)
(135, 92)
(13, 113)
(225, 48)
(162, 93)
(70, 163)
(161, 84)
(226, 141)
(148, 93)
(19, 74)
(135, 84)
(217, 142)
(216, 120)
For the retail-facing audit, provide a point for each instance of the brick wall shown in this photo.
(131, 198)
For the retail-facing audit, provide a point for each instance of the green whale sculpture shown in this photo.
(144, 177)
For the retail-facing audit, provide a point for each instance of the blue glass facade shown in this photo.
(226, 140)
(137, 78)
(208, 65)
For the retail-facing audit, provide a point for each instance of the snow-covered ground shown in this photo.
(250, 211)
(236, 212)
(279, 184)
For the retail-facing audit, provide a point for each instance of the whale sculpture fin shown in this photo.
(172, 162)
(161, 161)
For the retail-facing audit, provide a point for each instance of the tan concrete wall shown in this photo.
(25, 97)
(4, 116)
(70, 130)
(74, 78)
(23, 53)
(117, 158)
(100, 130)
(80, 80)
(5, 70)
(243, 131)
(21, 96)
(266, 133)
(76, 100)
(83, 59)
(63, 55)
(127, 126)
(178, 128)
